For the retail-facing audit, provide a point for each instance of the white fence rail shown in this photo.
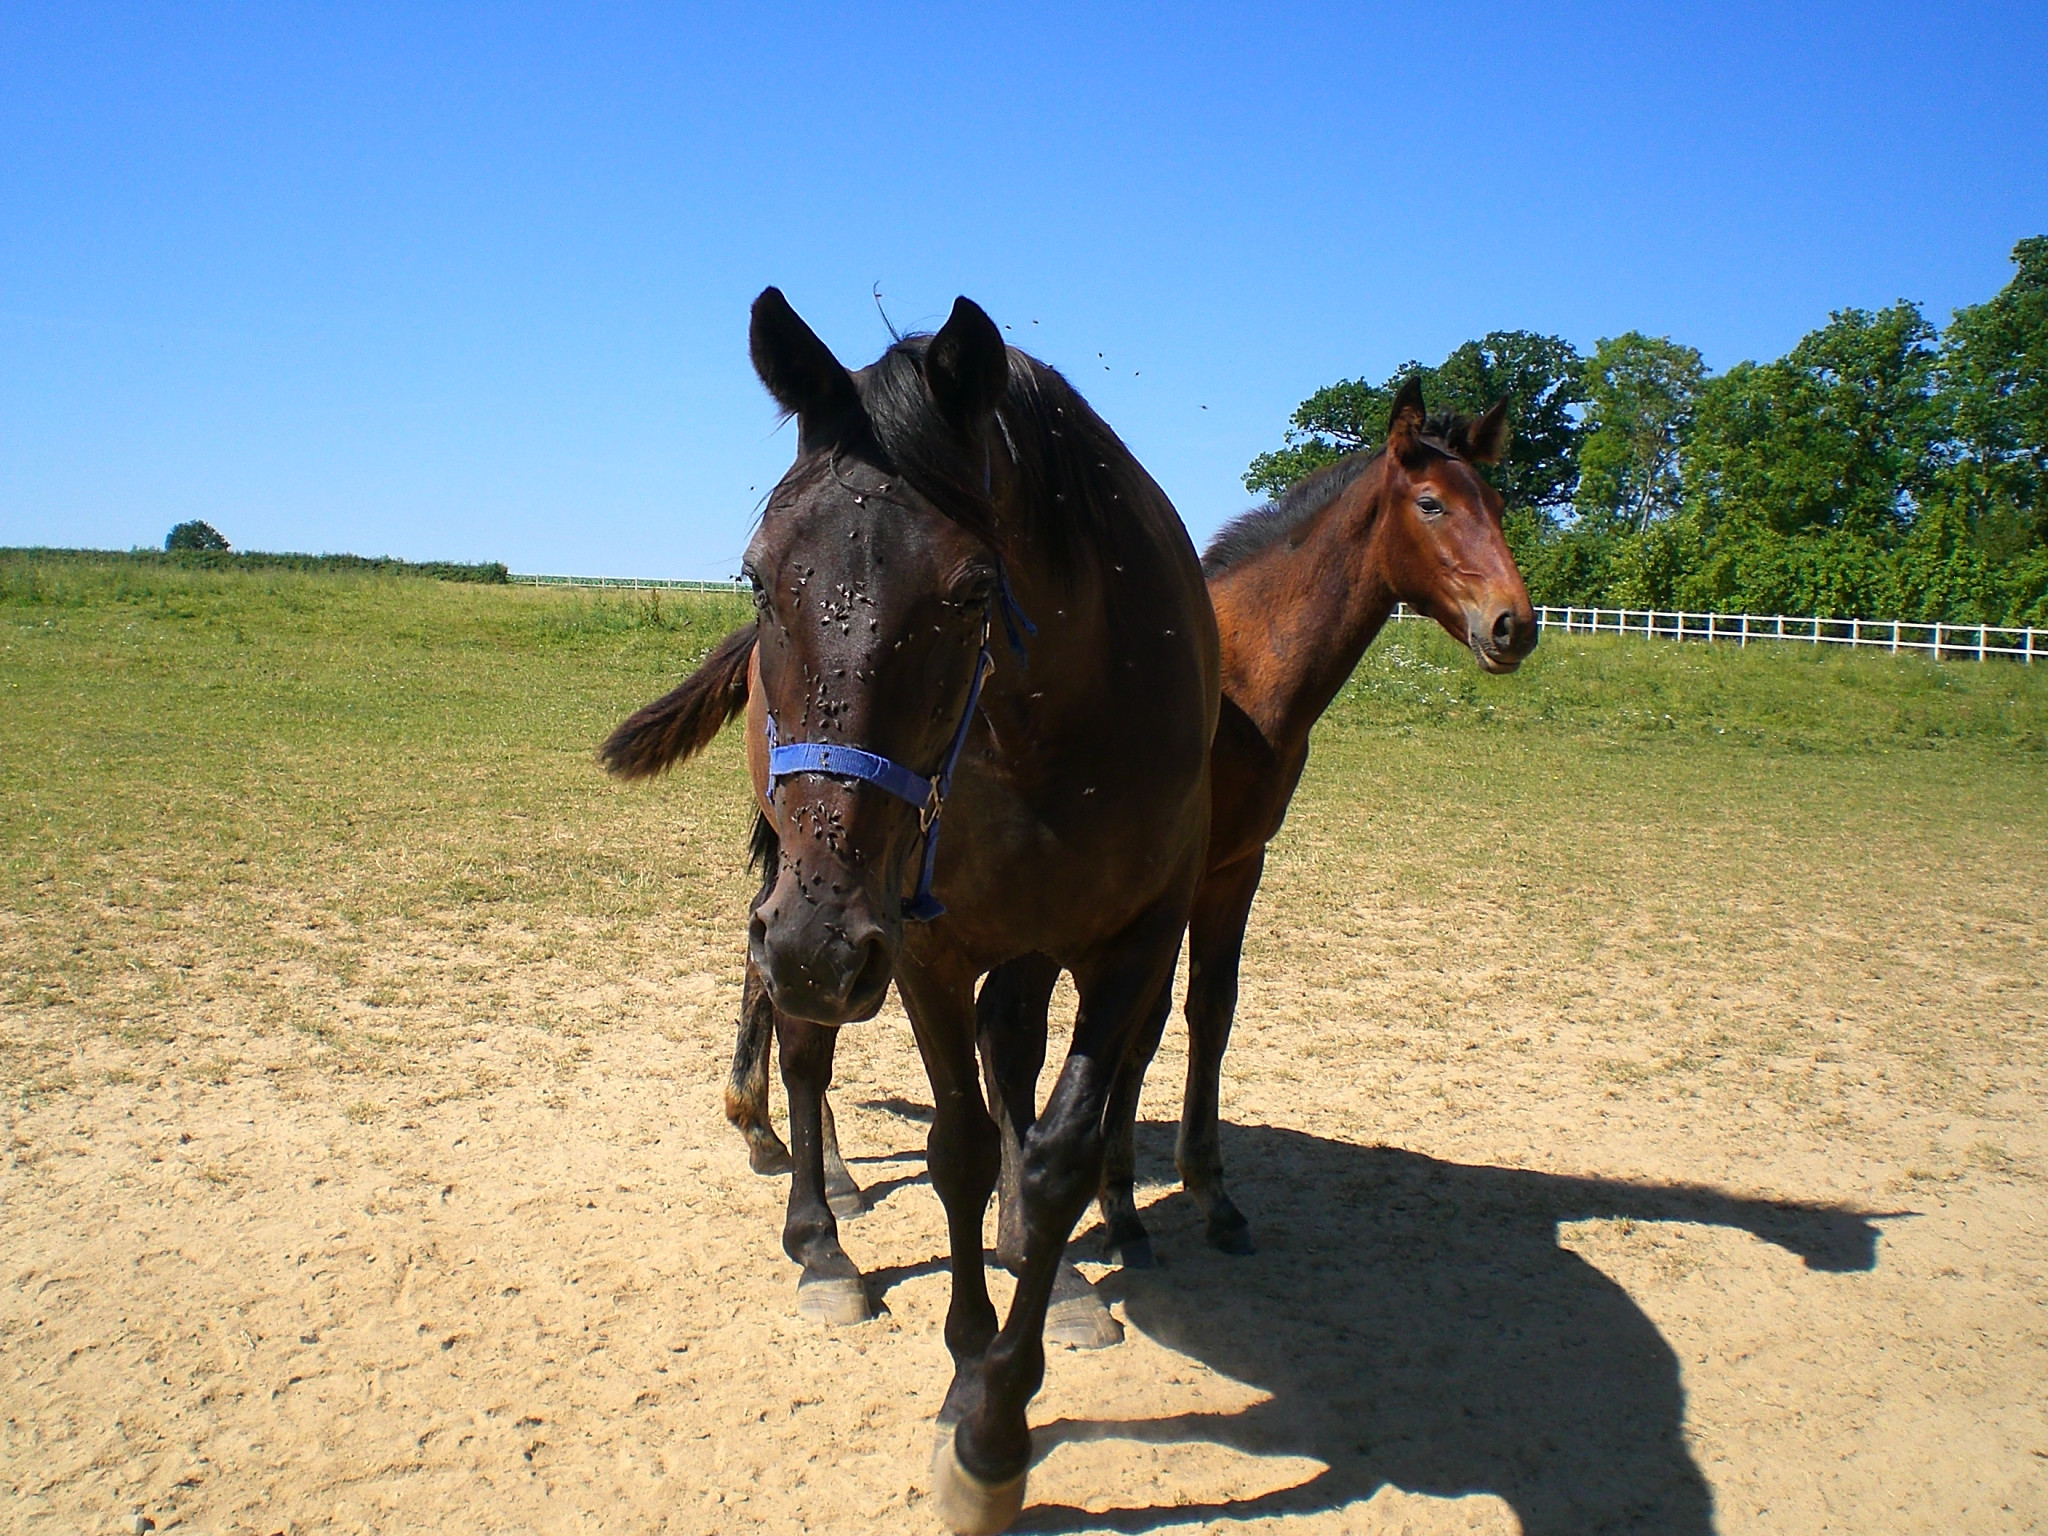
(626, 583)
(1945, 641)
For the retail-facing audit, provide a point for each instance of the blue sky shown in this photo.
(472, 282)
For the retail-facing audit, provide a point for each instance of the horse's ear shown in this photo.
(1404, 421)
(1487, 438)
(967, 367)
(798, 369)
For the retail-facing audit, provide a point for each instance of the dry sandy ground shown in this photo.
(1511, 1277)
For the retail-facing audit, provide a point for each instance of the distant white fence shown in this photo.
(627, 583)
(1946, 641)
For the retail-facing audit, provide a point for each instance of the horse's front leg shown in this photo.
(1223, 904)
(963, 1158)
(830, 1291)
(978, 1474)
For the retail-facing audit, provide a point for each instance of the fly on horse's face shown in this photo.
(1441, 521)
(873, 611)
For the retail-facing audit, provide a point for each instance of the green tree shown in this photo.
(1994, 374)
(1639, 402)
(1542, 378)
(1841, 433)
(1941, 571)
(194, 535)
(1540, 375)
(1336, 420)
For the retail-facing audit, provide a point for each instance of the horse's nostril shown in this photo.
(875, 969)
(1504, 628)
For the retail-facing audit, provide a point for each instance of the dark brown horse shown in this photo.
(1301, 588)
(938, 497)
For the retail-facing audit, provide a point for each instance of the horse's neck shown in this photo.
(1300, 615)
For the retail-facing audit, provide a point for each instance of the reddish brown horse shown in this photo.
(938, 497)
(1301, 588)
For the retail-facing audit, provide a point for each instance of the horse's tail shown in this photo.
(682, 723)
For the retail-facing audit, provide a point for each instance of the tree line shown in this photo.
(1880, 469)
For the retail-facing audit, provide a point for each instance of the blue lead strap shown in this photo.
(927, 794)
(923, 906)
(1014, 617)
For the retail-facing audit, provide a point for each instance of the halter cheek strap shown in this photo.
(927, 794)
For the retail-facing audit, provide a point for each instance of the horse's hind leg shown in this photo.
(841, 1192)
(830, 1291)
(1010, 1022)
(1215, 945)
(1125, 1240)
(1010, 1019)
(746, 1105)
(746, 1086)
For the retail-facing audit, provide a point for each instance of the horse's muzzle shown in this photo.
(1500, 636)
(829, 963)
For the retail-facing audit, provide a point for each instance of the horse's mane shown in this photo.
(1078, 483)
(1268, 523)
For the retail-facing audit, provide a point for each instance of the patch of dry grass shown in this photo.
(1804, 883)
(348, 817)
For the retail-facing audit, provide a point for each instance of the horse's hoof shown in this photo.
(847, 1202)
(1134, 1252)
(1233, 1240)
(835, 1302)
(769, 1158)
(965, 1503)
(1082, 1322)
(1077, 1318)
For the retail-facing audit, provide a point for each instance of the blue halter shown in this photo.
(927, 794)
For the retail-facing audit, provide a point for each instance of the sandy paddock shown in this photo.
(532, 1288)
(1669, 1156)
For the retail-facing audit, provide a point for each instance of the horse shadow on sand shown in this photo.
(1416, 1322)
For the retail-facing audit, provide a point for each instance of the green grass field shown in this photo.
(237, 797)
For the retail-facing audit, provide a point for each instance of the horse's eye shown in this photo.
(1431, 507)
(754, 581)
(975, 592)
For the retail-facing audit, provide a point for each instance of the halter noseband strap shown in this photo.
(927, 794)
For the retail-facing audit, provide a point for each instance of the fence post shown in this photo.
(1855, 633)
(1745, 630)
(1895, 637)
(1980, 641)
